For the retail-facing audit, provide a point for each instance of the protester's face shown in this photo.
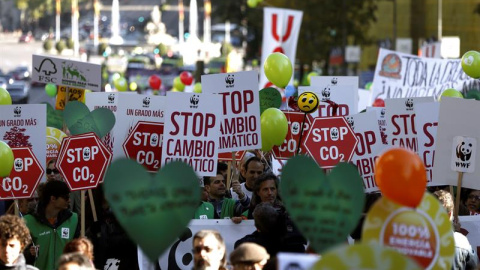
(252, 172)
(268, 191)
(473, 201)
(10, 250)
(62, 202)
(217, 186)
(207, 253)
(52, 172)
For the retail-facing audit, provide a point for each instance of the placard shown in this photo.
(105, 100)
(382, 122)
(73, 94)
(192, 130)
(240, 121)
(345, 97)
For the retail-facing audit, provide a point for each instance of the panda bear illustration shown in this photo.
(464, 151)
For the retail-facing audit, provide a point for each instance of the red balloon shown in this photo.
(379, 103)
(401, 177)
(155, 82)
(186, 78)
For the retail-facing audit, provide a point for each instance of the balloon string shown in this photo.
(301, 134)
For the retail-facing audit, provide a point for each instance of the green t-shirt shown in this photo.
(204, 211)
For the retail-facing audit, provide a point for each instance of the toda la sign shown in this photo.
(330, 141)
(289, 147)
(24, 177)
(144, 144)
(83, 160)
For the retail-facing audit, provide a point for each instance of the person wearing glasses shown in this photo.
(52, 226)
(209, 251)
(472, 202)
(52, 171)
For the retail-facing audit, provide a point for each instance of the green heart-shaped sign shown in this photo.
(154, 210)
(326, 208)
(80, 120)
(54, 117)
(270, 98)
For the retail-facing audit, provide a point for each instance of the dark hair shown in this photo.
(54, 188)
(14, 227)
(253, 159)
(269, 220)
(81, 245)
(207, 180)
(222, 166)
(256, 188)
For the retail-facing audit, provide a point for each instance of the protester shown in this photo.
(265, 190)
(209, 251)
(472, 201)
(52, 225)
(14, 237)
(250, 171)
(249, 256)
(82, 245)
(225, 207)
(75, 261)
(465, 256)
(25, 206)
(52, 172)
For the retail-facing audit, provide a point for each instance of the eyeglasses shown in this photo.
(50, 171)
(476, 197)
(199, 249)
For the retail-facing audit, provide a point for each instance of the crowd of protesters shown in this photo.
(43, 232)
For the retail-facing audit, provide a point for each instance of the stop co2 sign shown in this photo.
(330, 140)
(289, 147)
(144, 144)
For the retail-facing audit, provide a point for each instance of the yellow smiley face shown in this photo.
(307, 102)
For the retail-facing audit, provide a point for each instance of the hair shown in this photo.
(222, 166)
(446, 199)
(204, 233)
(53, 160)
(77, 258)
(55, 188)
(207, 180)
(255, 158)
(82, 245)
(268, 220)
(256, 188)
(14, 227)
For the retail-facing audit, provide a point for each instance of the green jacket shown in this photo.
(51, 238)
(204, 211)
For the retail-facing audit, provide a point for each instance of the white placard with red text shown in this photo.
(382, 123)
(345, 96)
(334, 80)
(457, 117)
(426, 123)
(240, 109)
(25, 125)
(280, 34)
(400, 116)
(130, 110)
(95, 100)
(192, 131)
(368, 148)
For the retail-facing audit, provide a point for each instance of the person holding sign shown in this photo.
(250, 171)
(465, 257)
(225, 207)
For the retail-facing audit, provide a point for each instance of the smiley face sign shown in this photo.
(307, 102)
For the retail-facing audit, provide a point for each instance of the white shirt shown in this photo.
(245, 191)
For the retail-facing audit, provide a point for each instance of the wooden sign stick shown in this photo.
(82, 213)
(457, 199)
(92, 205)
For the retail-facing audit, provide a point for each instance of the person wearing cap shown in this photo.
(52, 225)
(250, 171)
(209, 251)
(249, 256)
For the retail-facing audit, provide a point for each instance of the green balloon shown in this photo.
(144, 202)
(274, 126)
(51, 89)
(450, 93)
(278, 69)
(326, 208)
(197, 88)
(473, 94)
(252, 3)
(270, 98)
(5, 98)
(471, 64)
(368, 86)
(120, 84)
(6, 156)
(79, 119)
(177, 84)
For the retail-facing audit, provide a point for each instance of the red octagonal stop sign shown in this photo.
(330, 141)
(144, 144)
(83, 161)
(289, 147)
(24, 177)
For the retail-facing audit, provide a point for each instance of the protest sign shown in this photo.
(240, 123)
(131, 110)
(400, 116)
(54, 141)
(280, 34)
(400, 75)
(25, 126)
(457, 118)
(74, 93)
(323, 81)
(345, 98)
(47, 69)
(192, 130)
(369, 147)
(173, 257)
(471, 229)
(382, 122)
(108, 101)
(426, 121)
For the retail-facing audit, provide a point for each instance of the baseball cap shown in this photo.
(249, 253)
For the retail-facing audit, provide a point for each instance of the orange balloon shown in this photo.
(401, 177)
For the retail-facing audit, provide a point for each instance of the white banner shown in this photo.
(426, 121)
(240, 109)
(192, 131)
(471, 229)
(179, 255)
(400, 75)
(280, 34)
(109, 101)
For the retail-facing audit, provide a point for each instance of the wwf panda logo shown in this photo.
(409, 104)
(230, 80)
(326, 94)
(464, 151)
